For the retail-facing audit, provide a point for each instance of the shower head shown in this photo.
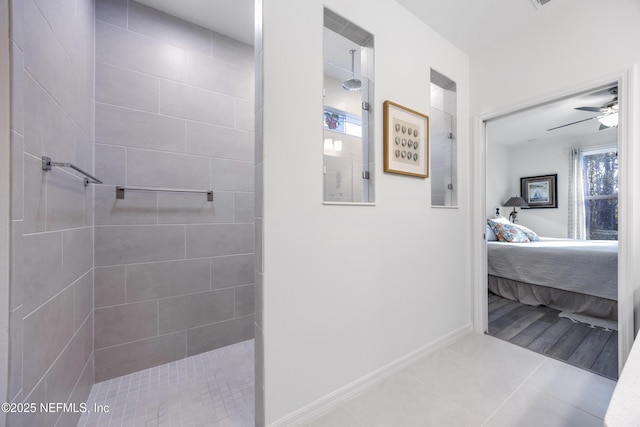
(352, 84)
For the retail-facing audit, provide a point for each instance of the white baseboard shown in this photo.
(325, 404)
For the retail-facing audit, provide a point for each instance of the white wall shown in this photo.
(350, 289)
(572, 42)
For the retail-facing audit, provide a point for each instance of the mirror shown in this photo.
(348, 91)
(444, 144)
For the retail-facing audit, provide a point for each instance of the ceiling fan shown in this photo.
(609, 113)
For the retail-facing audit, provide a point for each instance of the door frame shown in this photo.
(627, 277)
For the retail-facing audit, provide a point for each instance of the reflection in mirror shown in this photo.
(444, 144)
(348, 91)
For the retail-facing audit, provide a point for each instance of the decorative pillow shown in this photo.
(533, 237)
(506, 231)
(490, 235)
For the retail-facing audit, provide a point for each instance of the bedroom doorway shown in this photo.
(490, 188)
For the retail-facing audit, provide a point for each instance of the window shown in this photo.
(601, 193)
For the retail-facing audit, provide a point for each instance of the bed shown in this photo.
(574, 276)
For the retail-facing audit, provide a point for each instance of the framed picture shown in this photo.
(540, 191)
(406, 141)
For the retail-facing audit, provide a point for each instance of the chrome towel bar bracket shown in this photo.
(88, 178)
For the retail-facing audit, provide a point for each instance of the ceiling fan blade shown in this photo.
(592, 109)
(573, 123)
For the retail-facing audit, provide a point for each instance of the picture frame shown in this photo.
(406, 141)
(540, 191)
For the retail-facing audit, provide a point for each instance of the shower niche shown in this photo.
(347, 114)
(444, 144)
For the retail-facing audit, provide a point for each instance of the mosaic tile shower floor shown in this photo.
(213, 389)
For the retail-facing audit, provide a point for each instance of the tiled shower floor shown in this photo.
(210, 389)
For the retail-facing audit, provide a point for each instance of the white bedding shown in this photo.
(586, 266)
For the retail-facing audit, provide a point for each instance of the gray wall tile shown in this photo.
(232, 51)
(218, 141)
(169, 29)
(110, 164)
(125, 323)
(180, 208)
(17, 265)
(42, 268)
(80, 394)
(232, 175)
(15, 353)
(17, 175)
(83, 152)
(129, 244)
(66, 20)
(188, 311)
(46, 333)
(17, 89)
(258, 300)
(43, 54)
(17, 22)
(156, 169)
(188, 102)
(219, 76)
(112, 11)
(210, 337)
(258, 136)
(110, 288)
(65, 200)
(77, 256)
(136, 208)
(68, 368)
(48, 129)
(132, 128)
(219, 239)
(83, 299)
(131, 357)
(245, 115)
(244, 300)
(165, 279)
(52, 105)
(126, 49)
(36, 419)
(258, 189)
(243, 207)
(228, 271)
(76, 99)
(126, 88)
(34, 195)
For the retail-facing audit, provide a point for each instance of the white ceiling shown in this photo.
(468, 24)
(531, 125)
(472, 24)
(233, 18)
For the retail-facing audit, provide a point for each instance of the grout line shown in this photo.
(513, 393)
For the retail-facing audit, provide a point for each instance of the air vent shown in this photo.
(539, 3)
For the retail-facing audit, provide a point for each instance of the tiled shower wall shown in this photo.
(174, 109)
(51, 290)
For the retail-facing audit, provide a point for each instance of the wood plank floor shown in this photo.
(540, 329)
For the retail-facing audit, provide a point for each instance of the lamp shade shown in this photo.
(516, 202)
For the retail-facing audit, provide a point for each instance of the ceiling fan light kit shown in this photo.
(609, 112)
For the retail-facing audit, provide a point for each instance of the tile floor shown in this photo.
(479, 381)
(213, 389)
(476, 381)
